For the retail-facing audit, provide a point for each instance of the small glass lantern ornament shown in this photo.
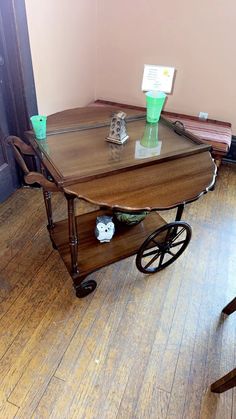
(118, 134)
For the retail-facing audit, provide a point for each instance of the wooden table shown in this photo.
(82, 165)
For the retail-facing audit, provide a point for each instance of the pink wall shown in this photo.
(62, 37)
(87, 49)
(197, 38)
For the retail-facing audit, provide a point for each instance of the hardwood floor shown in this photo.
(139, 346)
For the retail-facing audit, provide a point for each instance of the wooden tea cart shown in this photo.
(77, 161)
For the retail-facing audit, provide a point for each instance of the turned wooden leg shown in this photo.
(224, 383)
(48, 205)
(179, 213)
(73, 237)
(48, 202)
(231, 307)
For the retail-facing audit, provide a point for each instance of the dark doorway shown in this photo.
(17, 90)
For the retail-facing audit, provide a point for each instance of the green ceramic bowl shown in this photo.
(130, 218)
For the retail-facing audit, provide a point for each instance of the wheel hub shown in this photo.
(164, 247)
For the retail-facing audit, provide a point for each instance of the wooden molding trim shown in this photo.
(35, 177)
(21, 145)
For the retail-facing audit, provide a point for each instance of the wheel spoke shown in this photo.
(153, 252)
(168, 234)
(178, 234)
(152, 260)
(170, 253)
(177, 244)
(154, 241)
(161, 259)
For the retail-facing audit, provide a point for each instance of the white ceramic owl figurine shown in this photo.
(105, 228)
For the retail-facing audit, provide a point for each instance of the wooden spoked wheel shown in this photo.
(85, 288)
(163, 247)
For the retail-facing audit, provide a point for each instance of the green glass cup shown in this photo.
(39, 124)
(154, 102)
(150, 136)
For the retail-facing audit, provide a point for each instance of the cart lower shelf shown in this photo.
(93, 255)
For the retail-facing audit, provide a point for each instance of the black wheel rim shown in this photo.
(85, 288)
(163, 247)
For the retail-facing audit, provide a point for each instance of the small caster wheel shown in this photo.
(163, 247)
(85, 288)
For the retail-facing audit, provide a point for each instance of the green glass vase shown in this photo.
(150, 136)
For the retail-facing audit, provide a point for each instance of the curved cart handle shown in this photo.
(19, 148)
(35, 177)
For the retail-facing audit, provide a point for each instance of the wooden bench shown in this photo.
(216, 133)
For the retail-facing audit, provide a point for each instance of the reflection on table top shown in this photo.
(81, 162)
(85, 153)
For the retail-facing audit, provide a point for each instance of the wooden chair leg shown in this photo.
(229, 380)
(231, 307)
(224, 383)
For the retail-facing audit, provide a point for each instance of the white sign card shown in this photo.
(158, 78)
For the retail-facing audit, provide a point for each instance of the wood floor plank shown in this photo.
(121, 364)
(209, 311)
(172, 323)
(163, 358)
(46, 348)
(10, 216)
(18, 229)
(225, 364)
(110, 357)
(114, 283)
(81, 375)
(29, 309)
(234, 402)
(200, 350)
(183, 386)
(27, 388)
(8, 411)
(146, 317)
(213, 304)
(13, 226)
(22, 268)
(46, 404)
(139, 346)
(220, 354)
(151, 323)
(157, 409)
(29, 302)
